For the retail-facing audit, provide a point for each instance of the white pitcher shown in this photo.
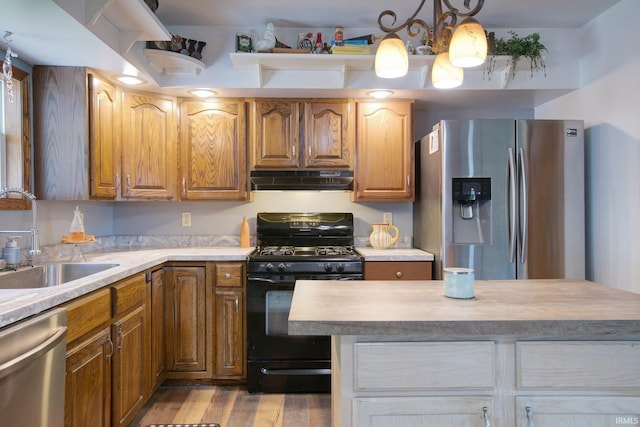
(381, 237)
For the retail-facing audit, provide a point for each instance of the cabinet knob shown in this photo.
(227, 275)
(399, 274)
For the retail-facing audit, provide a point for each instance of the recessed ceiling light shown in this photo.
(130, 80)
(379, 94)
(203, 93)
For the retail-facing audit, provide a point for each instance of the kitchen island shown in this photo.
(549, 352)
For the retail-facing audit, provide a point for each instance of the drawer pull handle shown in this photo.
(227, 275)
(120, 340)
(111, 347)
(529, 415)
(485, 415)
(399, 274)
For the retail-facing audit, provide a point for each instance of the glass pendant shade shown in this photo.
(468, 47)
(392, 59)
(444, 75)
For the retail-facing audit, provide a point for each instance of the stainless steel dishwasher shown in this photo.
(32, 369)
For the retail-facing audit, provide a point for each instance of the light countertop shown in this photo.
(544, 308)
(400, 254)
(18, 304)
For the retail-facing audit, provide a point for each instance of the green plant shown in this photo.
(516, 48)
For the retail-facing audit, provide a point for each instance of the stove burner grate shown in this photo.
(277, 250)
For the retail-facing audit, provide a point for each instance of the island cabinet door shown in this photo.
(583, 411)
(459, 411)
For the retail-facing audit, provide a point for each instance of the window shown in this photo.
(15, 140)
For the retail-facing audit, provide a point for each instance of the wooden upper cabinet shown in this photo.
(104, 139)
(60, 133)
(275, 134)
(329, 133)
(298, 134)
(213, 150)
(384, 151)
(149, 145)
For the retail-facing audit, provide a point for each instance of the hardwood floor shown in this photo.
(233, 406)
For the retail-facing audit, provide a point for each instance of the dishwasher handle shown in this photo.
(23, 360)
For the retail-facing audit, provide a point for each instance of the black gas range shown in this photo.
(290, 247)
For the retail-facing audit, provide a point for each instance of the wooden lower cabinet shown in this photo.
(398, 270)
(230, 321)
(188, 351)
(182, 321)
(88, 381)
(157, 305)
(205, 327)
(129, 366)
(107, 361)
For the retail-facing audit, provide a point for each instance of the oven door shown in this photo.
(276, 361)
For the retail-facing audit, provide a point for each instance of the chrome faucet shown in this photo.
(35, 245)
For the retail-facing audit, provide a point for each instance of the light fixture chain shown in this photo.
(467, 3)
(407, 23)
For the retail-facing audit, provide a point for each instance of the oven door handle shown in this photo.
(310, 371)
(260, 279)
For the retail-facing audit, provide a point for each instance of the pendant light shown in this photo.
(465, 45)
(468, 47)
(444, 75)
(392, 59)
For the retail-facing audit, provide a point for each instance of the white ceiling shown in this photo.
(364, 13)
(44, 34)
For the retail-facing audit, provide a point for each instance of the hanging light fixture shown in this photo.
(462, 48)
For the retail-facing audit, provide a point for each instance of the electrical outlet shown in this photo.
(387, 218)
(186, 219)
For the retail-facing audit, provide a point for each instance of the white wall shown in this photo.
(609, 102)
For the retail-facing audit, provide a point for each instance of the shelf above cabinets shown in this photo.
(344, 64)
(173, 63)
(118, 23)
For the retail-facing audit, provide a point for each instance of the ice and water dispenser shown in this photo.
(471, 210)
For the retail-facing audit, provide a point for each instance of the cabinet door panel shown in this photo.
(148, 146)
(458, 411)
(385, 154)
(229, 336)
(186, 324)
(275, 134)
(129, 366)
(158, 367)
(574, 411)
(328, 134)
(88, 382)
(213, 144)
(104, 139)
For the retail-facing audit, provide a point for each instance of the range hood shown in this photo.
(301, 180)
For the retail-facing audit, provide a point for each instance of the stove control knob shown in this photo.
(328, 267)
(340, 267)
(268, 267)
(281, 267)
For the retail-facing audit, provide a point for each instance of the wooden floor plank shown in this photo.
(270, 410)
(233, 406)
(194, 407)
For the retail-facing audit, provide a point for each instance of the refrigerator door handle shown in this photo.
(522, 178)
(511, 206)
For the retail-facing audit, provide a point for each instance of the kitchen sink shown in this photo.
(52, 274)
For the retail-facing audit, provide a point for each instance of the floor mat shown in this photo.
(184, 425)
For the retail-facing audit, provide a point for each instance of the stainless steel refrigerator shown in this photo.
(504, 197)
